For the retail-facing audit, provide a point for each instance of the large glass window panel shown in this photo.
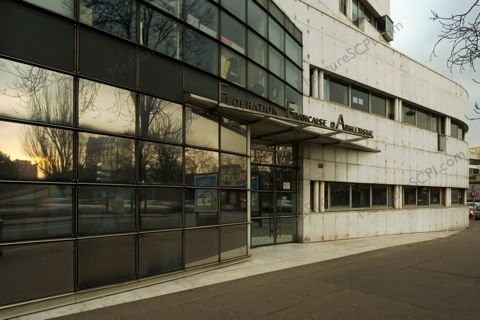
(434, 123)
(262, 204)
(233, 33)
(257, 49)
(379, 196)
(160, 163)
(113, 16)
(104, 210)
(103, 261)
(276, 35)
(391, 108)
(276, 90)
(263, 232)
(295, 100)
(360, 100)
(408, 114)
(339, 195)
(201, 207)
(293, 50)
(285, 179)
(234, 136)
(423, 120)
(423, 196)
(203, 15)
(35, 211)
(338, 92)
(379, 105)
(160, 33)
(257, 79)
(171, 6)
(35, 153)
(237, 7)
(355, 13)
(286, 230)
(160, 119)
(293, 75)
(409, 196)
(32, 93)
(32, 271)
(233, 206)
(201, 52)
(201, 129)
(161, 208)
(106, 108)
(63, 7)
(276, 62)
(201, 167)
(343, 6)
(201, 247)
(233, 241)
(233, 67)
(261, 154)
(106, 159)
(233, 171)
(286, 204)
(455, 196)
(360, 196)
(284, 155)
(160, 253)
(257, 18)
(262, 178)
(435, 196)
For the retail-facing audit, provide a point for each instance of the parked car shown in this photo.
(474, 210)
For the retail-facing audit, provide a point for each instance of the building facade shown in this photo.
(474, 174)
(144, 139)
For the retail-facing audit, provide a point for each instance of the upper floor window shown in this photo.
(456, 130)
(202, 15)
(64, 7)
(237, 7)
(421, 118)
(343, 6)
(257, 18)
(171, 6)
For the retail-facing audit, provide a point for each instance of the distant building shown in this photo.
(474, 174)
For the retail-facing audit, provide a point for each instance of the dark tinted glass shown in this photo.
(233, 33)
(286, 204)
(160, 163)
(233, 206)
(104, 261)
(160, 253)
(257, 18)
(276, 90)
(379, 196)
(257, 79)
(32, 93)
(201, 207)
(257, 49)
(234, 136)
(35, 211)
(233, 67)
(423, 120)
(106, 108)
(410, 196)
(233, 171)
(63, 7)
(286, 230)
(201, 52)
(237, 7)
(275, 34)
(171, 6)
(161, 208)
(379, 105)
(103, 210)
(339, 195)
(295, 99)
(201, 167)
(293, 75)
(234, 241)
(435, 195)
(202, 15)
(360, 196)
(262, 204)
(338, 92)
(34, 271)
(160, 119)
(113, 16)
(262, 232)
(408, 114)
(455, 196)
(391, 109)
(106, 159)
(423, 196)
(293, 50)
(201, 247)
(201, 129)
(286, 179)
(276, 63)
(35, 153)
(160, 33)
(360, 100)
(262, 178)
(284, 155)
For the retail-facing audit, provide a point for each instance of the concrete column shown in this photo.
(398, 110)
(448, 197)
(316, 197)
(314, 83)
(397, 197)
(321, 80)
(448, 126)
(322, 196)
(349, 9)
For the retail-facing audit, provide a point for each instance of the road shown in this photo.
(431, 280)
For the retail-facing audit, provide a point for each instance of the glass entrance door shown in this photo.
(274, 194)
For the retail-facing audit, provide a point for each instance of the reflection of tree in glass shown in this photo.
(262, 154)
(160, 119)
(7, 167)
(200, 161)
(161, 163)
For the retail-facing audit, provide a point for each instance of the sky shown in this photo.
(417, 38)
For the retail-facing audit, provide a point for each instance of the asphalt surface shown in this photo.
(437, 279)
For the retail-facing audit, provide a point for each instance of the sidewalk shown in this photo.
(264, 259)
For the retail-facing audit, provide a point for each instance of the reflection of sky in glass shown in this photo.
(201, 131)
(11, 142)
